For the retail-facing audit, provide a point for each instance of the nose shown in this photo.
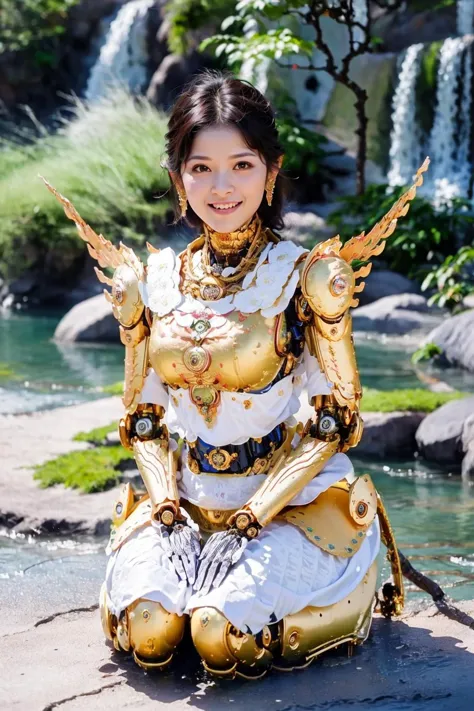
(222, 186)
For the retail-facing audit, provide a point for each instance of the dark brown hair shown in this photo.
(214, 99)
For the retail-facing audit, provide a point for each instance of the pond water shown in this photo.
(432, 510)
(36, 373)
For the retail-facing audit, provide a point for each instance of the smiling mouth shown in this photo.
(224, 207)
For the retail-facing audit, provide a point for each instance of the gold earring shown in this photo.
(183, 203)
(271, 180)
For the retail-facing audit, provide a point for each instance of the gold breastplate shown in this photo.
(233, 352)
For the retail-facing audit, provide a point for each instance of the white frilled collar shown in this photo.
(267, 288)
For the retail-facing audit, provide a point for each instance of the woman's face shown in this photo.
(223, 178)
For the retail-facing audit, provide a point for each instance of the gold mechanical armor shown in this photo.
(336, 522)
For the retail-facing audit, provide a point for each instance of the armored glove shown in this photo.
(221, 552)
(181, 545)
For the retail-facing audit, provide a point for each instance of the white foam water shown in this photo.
(123, 57)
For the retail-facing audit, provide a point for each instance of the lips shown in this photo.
(225, 207)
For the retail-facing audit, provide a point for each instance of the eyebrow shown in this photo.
(235, 155)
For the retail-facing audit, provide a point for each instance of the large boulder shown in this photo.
(467, 441)
(440, 436)
(389, 434)
(396, 315)
(386, 283)
(304, 225)
(455, 338)
(90, 321)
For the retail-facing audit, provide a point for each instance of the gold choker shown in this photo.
(230, 243)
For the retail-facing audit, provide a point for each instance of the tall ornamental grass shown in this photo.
(106, 159)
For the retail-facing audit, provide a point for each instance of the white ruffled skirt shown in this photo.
(280, 573)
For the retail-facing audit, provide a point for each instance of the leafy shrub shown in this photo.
(107, 160)
(27, 24)
(423, 239)
(453, 279)
(429, 351)
(186, 16)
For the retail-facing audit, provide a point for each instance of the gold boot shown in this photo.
(225, 651)
(146, 629)
(293, 642)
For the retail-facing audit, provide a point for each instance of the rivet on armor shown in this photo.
(338, 285)
(362, 508)
(266, 636)
(144, 427)
(293, 640)
(242, 522)
(167, 518)
(146, 615)
(204, 619)
(118, 508)
(252, 532)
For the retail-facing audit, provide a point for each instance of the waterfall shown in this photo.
(465, 17)
(450, 172)
(123, 57)
(405, 149)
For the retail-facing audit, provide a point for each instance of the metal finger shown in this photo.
(221, 560)
(178, 566)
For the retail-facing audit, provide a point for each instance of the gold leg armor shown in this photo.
(293, 642)
(225, 650)
(146, 629)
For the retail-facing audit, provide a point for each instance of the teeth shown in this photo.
(227, 206)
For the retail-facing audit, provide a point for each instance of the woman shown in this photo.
(254, 528)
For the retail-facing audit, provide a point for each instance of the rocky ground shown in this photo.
(420, 661)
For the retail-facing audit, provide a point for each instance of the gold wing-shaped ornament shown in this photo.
(365, 246)
(328, 284)
(125, 298)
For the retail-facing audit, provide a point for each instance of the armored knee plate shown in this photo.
(293, 642)
(146, 629)
(314, 630)
(226, 651)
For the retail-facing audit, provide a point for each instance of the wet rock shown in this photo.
(389, 434)
(112, 439)
(386, 283)
(439, 437)
(454, 337)
(467, 441)
(397, 314)
(89, 321)
(170, 77)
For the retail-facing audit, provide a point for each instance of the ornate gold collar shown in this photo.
(226, 244)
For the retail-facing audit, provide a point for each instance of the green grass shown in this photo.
(90, 470)
(415, 400)
(114, 389)
(97, 435)
(106, 160)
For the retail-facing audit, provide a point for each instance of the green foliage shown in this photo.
(429, 351)
(97, 435)
(27, 24)
(114, 389)
(423, 239)
(453, 279)
(107, 160)
(273, 44)
(187, 16)
(90, 470)
(415, 400)
(5, 371)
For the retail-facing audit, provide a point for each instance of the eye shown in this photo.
(243, 165)
(200, 168)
